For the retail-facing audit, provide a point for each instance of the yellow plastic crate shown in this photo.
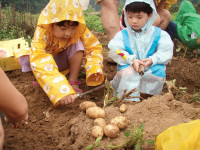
(7, 60)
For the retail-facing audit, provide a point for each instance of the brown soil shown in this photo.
(68, 128)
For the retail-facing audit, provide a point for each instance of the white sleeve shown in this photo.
(116, 45)
(164, 51)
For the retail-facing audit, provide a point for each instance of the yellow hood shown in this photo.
(59, 10)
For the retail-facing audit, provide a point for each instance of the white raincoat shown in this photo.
(127, 45)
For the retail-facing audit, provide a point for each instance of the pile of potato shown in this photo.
(100, 127)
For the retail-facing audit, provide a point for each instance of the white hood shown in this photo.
(150, 21)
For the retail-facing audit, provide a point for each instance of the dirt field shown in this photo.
(68, 128)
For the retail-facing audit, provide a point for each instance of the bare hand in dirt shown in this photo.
(98, 76)
(66, 100)
(137, 63)
(147, 62)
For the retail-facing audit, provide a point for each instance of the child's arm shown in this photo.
(118, 52)
(12, 102)
(94, 59)
(164, 51)
(46, 71)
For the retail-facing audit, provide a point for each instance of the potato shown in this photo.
(95, 112)
(120, 121)
(122, 108)
(100, 122)
(97, 131)
(86, 104)
(111, 131)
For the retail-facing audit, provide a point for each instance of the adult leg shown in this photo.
(172, 30)
(165, 18)
(110, 17)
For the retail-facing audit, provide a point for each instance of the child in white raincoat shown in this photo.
(140, 44)
(60, 42)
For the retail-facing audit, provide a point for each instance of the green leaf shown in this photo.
(173, 82)
(142, 126)
(150, 142)
(183, 88)
(127, 133)
(89, 147)
(178, 49)
(137, 147)
(98, 140)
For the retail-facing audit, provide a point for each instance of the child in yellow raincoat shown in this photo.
(60, 42)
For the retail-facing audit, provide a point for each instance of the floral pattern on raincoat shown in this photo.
(168, 3)
(44, 46)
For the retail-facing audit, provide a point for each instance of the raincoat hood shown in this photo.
(188, 25)
(150, 21)
(60, 10)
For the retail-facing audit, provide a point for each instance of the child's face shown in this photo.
(64, 32)
(137, 20)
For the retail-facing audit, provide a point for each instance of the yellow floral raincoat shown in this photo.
(168, 3)
(45, 46)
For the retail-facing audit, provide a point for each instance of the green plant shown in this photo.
(196, 96)
(93, 20)
(184, 51)
(110, 98)
(173, 15)
(178, 92)
(96, 144)
(16, 25)
(134, 140)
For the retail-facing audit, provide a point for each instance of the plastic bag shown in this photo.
(185, 136)
(84, 4)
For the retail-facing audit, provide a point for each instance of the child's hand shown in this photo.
(137, 63)
(66, 100)
(98, 76)
(147, 62)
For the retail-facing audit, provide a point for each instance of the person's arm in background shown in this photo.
(110, 18)
(160, 5)
(163, 18)
(12, 102)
